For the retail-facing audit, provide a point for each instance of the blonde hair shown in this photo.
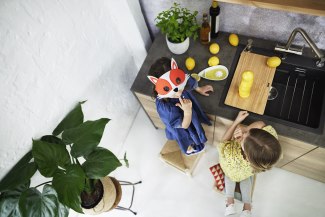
(261, 149)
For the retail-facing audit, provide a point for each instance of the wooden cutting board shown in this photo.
(263, 77)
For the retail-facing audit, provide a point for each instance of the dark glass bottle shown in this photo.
(214, 19)
(205, 30)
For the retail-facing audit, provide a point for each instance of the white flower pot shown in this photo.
(178, 48)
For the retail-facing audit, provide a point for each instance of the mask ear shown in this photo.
(153, 79)
(173, 64)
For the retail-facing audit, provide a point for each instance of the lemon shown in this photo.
(213, 61)
(190, 63)
(248, 76)
(273, 62)
(214, 48)
(196, 76)
(233, 39)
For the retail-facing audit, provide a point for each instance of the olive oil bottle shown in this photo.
(214, 19)
(205, 30)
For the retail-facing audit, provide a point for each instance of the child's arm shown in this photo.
(186, 106)
(204, 90)
(240, 117)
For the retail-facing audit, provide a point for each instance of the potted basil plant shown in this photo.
(77, 168)
(179, 24)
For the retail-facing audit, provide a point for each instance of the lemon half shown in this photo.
(196, 76)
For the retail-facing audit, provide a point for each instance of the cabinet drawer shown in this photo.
(221, 126)
(292, 149)
(209, 130)
(143, 97)
(311, 165)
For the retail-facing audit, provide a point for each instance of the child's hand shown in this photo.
(185, 104)
(204, 90)
(241, 116)
(238, 134)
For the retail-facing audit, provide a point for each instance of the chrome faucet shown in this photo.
(249, 45)
(287, 48)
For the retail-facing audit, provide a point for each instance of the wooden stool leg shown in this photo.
(172, 155)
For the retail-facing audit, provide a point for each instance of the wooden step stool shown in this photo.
(172, 155)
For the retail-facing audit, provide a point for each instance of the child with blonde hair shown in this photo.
(243, 152)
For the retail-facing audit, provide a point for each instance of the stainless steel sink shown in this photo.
(300, 85)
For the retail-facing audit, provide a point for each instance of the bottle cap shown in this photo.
(214, 4)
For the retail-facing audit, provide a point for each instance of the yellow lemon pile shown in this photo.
(214, 49)
(246, 84)
(233, 39)
(273, 62)
(190, 63)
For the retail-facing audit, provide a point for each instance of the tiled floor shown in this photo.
(165, 192)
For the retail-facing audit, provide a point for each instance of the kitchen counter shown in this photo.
(213, 104)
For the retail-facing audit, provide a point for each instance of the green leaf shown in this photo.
(85, 137)
(175, 20)
(73, 119)
(9, 200)
(69, 185)
(52, 139)
(100, 163)
(19, 174)
(48, 156)
(63, 211)
(34, 203)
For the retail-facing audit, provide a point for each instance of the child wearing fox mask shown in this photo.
(177, 107)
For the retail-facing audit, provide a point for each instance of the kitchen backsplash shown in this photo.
(247, 20)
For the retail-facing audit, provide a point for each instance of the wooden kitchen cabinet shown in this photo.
(311, 165)
(221, 125)
(298, 156)
(313, 7)
(292, 149)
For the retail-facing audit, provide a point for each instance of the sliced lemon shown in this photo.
(196, 76)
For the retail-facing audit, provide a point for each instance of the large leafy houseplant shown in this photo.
(178, 23)
(58, 157)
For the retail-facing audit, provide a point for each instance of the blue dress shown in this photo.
(172, 117)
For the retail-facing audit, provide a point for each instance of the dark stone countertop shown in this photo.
(212, 104)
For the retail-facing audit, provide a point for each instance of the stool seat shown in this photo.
(172, 155)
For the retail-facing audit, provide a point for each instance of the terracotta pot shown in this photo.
(178, 48)
(111, 196)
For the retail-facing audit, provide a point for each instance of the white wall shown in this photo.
(56, 53)
(247, 20)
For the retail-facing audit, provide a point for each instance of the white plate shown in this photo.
(220, 71)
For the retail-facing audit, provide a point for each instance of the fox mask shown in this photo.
(171, 82)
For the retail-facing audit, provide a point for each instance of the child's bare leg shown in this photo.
(247, 206)
(230, 200)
